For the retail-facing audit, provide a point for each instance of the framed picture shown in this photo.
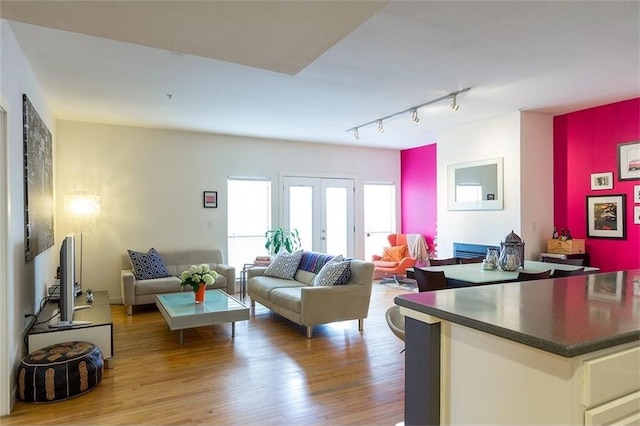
(629, 161)
(602, 181)
(636, 215)
(605, 216)
(210, 199)
(636, 194)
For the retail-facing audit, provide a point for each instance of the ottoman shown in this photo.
(60, 372)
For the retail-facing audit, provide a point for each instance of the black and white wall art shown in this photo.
(38, 182)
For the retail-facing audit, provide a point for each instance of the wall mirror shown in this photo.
(475, 186)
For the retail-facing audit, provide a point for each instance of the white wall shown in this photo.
(525, 142)
(25, 282)
(536, 171)
(151, 181)
(499, 137)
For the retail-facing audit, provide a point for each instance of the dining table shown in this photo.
(471, 274)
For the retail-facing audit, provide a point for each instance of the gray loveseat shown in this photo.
(301, 302)
(140, 292)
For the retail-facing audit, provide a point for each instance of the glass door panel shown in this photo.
(379, 217)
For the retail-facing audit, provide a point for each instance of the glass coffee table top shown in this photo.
(181, 311)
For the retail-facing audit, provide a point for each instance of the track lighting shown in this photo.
(413, 110)
(454, 104)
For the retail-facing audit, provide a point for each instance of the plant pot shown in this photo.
(200, 293)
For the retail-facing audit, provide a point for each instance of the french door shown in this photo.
(322, 211)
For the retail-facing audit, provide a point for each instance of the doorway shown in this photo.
(322, 210)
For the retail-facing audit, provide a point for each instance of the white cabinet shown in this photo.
(486, 379)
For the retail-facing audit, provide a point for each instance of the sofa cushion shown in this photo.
(287, 297)
(384, 264)
(158, 286)
(394, 254)
(148, 265)
(284, 265)
(335, 272)
(262, 286)
(304, 277)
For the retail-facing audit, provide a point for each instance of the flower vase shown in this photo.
(200, 293)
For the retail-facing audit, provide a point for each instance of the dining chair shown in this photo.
(477, 259)
(576, 262)
(530, 276)
(430, 280)
(442, 262)
(557, 273)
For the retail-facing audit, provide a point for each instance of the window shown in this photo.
(379, 217)
(248, 218)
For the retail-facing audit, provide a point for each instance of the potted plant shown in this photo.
(279, 238)
(198, 277)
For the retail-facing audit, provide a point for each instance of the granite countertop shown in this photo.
(566, 316)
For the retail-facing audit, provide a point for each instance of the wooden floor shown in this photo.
(269, 374)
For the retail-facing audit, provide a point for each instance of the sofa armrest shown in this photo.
(127, 287)
(321, 305)
(375, 257)
(230, 273)
(407, 262)
(256, 271)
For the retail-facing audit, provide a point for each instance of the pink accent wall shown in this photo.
(586, 142)
(418, 191)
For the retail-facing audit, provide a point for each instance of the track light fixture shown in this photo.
(413, 110)
(454, 103)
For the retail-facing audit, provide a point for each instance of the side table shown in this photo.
(243, 279)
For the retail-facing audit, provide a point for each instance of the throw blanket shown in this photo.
(418, 247)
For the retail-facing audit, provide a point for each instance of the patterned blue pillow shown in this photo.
(284, 265)
(334, 272)
(148, 265)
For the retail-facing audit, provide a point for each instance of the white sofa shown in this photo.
(301, 302)
(140, 292)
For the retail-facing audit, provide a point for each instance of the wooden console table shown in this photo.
(100, 332)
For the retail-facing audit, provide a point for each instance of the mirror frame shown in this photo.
(474, 205)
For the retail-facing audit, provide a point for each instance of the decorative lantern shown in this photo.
(511, 253)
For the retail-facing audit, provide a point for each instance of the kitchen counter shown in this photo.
(566, 316)
(563, 351)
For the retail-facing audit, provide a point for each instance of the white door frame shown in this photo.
(5, 401)
(318, 194)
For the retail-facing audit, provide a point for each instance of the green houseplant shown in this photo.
(278, 238)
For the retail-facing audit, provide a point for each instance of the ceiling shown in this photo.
(308, 71)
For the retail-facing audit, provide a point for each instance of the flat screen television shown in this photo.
(67, 285)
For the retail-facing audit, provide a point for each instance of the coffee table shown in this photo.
(181, 312)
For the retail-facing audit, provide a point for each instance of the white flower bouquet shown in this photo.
(197, 274)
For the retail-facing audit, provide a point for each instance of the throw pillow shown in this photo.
(335, 272)
(394, 254)
(148, 265)
(284, 265)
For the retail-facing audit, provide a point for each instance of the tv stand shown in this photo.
(69, 324)
(80, 307)
(93, 325)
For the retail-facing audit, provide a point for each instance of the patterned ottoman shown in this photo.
(60, 372)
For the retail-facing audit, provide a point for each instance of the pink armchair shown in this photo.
(385, 266)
